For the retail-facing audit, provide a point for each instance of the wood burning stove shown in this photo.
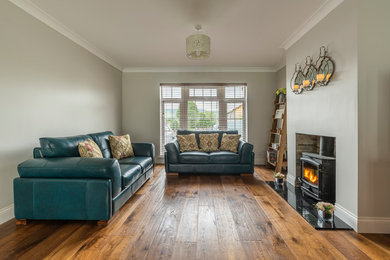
(318, 172)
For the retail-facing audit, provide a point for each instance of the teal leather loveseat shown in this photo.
(219, 162)
(59, 184)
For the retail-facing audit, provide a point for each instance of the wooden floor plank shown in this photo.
(193, 217)
(208, 245)
(184, 250)
(161, 247)
(349, 250)
(369, 247)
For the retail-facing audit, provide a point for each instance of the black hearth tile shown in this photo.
(304, 205)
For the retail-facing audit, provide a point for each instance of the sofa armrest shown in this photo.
(245, 151)
(144, 149)
(73, 167)
(172, 152)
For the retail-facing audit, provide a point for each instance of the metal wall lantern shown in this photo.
(310, 73)
(325, 67)
(313, 75)
(297, 79)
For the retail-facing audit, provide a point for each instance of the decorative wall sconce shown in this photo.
(313, 75)
(310, 73)
(297, 79)
(325, 67)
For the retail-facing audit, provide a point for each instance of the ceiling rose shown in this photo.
(198, 45)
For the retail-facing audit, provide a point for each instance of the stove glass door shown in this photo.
(310, 173)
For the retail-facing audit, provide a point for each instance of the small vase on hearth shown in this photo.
(279, 181)
(325, 215)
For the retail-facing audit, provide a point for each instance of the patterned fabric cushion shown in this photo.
(230, 142)
(90, 149)
(187, 143)
(121, 146)
(208, 142)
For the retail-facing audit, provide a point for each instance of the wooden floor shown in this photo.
(193, 217)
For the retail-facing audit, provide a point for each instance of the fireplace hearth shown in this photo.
(316, 180)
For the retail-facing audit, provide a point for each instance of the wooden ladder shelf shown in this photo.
(278, 136)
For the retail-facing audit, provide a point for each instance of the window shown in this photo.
(202, 107)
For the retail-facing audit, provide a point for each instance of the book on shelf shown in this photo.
(272, 156)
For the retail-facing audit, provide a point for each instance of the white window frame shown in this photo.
(185, 98)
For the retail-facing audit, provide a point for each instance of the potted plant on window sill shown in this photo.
(279, 178)
(325, 210)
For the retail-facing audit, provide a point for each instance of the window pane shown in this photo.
(235, 92)
(235, 115)
(171, 121)
(203, 92)
(203, 115)
(171, 92)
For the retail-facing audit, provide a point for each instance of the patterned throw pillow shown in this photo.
(230, 142)
(89, 149)
(208, 142)
(121, 146)
(187, 143)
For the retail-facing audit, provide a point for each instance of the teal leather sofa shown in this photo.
(220, 162)
(59, 184)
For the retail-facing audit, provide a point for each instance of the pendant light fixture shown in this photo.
(198, 45)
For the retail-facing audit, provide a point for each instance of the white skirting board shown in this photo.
(291, 179)
(6, 213)
(374, 225)
(346, 216)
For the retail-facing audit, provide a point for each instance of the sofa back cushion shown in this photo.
(101, 139)
(68, 146)
(197, 132)
(61, 146)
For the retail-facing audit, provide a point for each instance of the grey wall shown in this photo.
(374, 116)
(331, 110)
(281, 78)
(49, 86)
(141, 105)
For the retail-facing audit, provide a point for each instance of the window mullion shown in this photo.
(184, 108)
(222, 109)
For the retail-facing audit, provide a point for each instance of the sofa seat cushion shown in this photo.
(130, 173)
(194, 157)
(143, 161)
(224, 157)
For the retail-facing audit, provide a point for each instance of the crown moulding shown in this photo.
(199, 69)
(313, 20)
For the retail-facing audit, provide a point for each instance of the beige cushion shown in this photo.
(89, 149)
(230, 142)
(208, 142)
(187, 143)
(121, 146)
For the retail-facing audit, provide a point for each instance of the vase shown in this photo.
(325, 216)
(282, 96)
(279, 181)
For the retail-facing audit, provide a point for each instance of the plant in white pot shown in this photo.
(325, 210)
(279, 178)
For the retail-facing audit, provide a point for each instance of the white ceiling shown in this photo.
(151, 33)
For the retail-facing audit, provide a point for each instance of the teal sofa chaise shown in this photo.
(58, 184)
